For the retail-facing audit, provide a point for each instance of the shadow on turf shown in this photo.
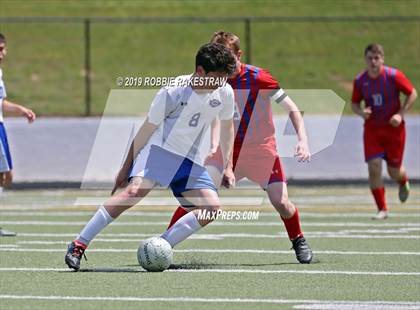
(117, 270)
(186, 267)
(216, 266)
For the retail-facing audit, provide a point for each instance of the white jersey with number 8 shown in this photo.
(184, 115)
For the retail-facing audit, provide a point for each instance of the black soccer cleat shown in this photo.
(404, 192)
(303, 251)
(74, 255)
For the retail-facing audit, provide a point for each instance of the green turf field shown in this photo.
(360, 263)
(45, 62)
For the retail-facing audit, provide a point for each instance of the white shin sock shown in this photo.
(99, 221)
(182, 229)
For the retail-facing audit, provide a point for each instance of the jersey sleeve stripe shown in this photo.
(279, 96)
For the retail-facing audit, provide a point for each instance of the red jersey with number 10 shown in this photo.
(381, 94)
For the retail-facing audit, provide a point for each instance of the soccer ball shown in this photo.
(155, 254)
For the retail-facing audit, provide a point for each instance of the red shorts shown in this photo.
(260, 164)
(385, 142)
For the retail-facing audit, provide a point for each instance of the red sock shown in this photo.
(379, 195)
(293, 226)
(403, 180)
(180, 212)
(81, 244)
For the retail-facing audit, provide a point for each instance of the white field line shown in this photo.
(241, 200)
(249, 200)
(168, 214)
(217, 223)
(319, 234)
(252, 271)
(172, 201)
(231, 251)
(335, 306)
(415, 208)
(338, 303)
(380, 231)
(346, 236)
(224, 235)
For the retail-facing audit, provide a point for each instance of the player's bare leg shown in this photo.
(399, 175)
(137, 189)
(8, 178)
(279, 198)
(202, 201)
(278, 195)
(377, 188)
(131, 195)
(375, 173)
(2, 179)
(3, 183)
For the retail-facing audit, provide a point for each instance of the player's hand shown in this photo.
(29, 114)
(228, 179)
(367, 112)
(302, 151)
(396, 120)
(120, 180)
(212, 151)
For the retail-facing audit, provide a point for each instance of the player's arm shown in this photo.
(17, 109)
(214, 136)
(362, 112)
(405, 86)
(356, 98)
(408, 102)
(272, 88)
(396, 119)
(226, 146)
(157, 113)
(227, 137)
(302, 148)
(139, 141)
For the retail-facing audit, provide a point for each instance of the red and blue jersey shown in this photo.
(253, 118)
(381, 94)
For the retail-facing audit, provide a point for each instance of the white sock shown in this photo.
(99, 221)
(1, 190)
(182, 229)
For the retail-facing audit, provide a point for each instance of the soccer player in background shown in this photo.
(384, 128)
(6, 166)
(255, 153)
(166, 150)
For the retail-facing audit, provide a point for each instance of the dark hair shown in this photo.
(214, 57)
(228, 39)
(375, 48)
(2, 38)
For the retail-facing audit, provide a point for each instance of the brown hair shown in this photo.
(214, 57)
(227, 39)
(375, 48)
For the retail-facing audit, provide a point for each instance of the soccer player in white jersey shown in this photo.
(166, 150)
(6, 166)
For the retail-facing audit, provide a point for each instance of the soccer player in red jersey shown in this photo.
(384, 129)
(255, 153)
